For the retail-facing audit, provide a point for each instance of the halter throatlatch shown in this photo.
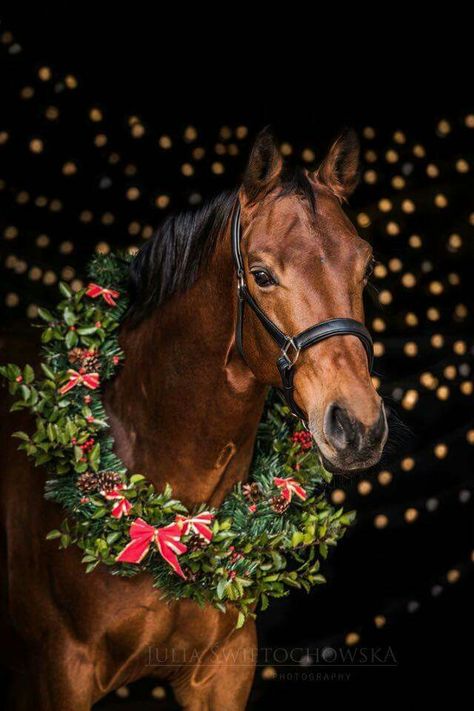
(290, 346)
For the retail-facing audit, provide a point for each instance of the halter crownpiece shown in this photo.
(290, 346)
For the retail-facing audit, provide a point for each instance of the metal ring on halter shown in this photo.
(240, 280)
(284, 350)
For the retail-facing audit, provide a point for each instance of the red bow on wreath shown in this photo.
(166, 539)
(289, 487)
(109, 295)
(90, 380)
(197, 524)
(122, 506)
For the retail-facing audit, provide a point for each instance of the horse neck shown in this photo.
(185, 408)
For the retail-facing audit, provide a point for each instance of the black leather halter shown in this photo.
(310, 337)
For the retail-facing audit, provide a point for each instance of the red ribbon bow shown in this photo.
(109, 295)
(122, 506)
(197, 524)
(90, 380)
(166, 539)
(289, 487)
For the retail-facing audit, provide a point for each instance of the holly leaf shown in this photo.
(28, 374)
(47, 335)
(94, 456)
(323, 550)
(69, 316)
(71, 339)
(87, 330)
(21, 435)
(47, 371)
(65, 290)
(53, 534)
(221, 586)
(45, 315)
(240, 620)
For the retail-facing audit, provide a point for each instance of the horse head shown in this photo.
(304, 264)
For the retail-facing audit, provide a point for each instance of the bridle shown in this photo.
(294, 344)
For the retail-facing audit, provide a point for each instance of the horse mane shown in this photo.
(170, 262)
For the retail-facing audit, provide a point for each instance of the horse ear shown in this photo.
(264, 166)
(339, 171)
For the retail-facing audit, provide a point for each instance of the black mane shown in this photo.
(170, 262)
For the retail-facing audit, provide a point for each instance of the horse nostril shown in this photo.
(338, 427)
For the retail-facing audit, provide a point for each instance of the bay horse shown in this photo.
(184, 409)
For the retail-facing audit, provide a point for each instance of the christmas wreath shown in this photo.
(266, 537)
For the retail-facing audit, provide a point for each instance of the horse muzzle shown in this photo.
(346, 444)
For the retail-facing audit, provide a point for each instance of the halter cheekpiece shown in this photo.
(290, 346)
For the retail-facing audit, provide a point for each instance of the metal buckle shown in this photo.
(284, 351)
(240, 280)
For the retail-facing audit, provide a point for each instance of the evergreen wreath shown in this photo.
(266, 537)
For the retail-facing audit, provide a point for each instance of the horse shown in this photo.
(184, 409)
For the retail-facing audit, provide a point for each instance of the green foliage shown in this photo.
(255, 552)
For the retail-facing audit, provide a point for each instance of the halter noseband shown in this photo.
(310, 337)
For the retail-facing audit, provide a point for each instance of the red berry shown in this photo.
(19, 379)
(98, 324)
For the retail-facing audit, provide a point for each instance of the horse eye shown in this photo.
(263, 278)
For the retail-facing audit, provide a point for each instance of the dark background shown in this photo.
(402, 583)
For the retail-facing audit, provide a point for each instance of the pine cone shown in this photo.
(108, 481)
(279, 504)
(91, 361)
(87, 482)
(195, 542)
(75, 356)
(252, 492)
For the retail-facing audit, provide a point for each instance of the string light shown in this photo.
(339, 495)
(36, 145)
(444, 127)
(398, 182)
(95, 115)
(217, 168)
(462, 166)
(165, 142)
(162, 201)
(385, 478)
(428, 381)
(187, 169)
(407, 464)
(415, 241)
(370, 177)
